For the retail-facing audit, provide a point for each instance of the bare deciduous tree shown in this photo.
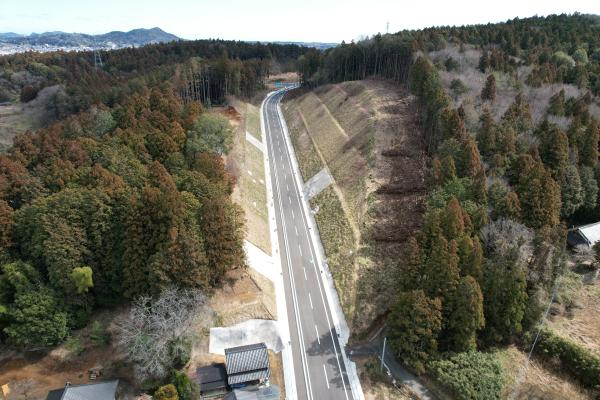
(156, 331)
(504, 236)
(584, 254)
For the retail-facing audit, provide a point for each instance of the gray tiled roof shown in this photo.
(93, 391)
(247, 363)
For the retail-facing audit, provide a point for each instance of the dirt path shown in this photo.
(333, 119)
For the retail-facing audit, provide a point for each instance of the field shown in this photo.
(534, 381)
(365, 133)
(581, 323)
(18, 117)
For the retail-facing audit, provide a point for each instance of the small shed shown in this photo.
(586, 235)
(93, 391)
(212, 380)
(247, 365)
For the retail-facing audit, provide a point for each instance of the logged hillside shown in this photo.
(509, 115)
(366, 134)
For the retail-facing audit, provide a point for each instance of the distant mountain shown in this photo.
(10, 35)
(136, 37)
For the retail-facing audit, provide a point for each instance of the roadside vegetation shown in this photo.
(338, 243)
(512, 140)
(126, 198)
(246, 162)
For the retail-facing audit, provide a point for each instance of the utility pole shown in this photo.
(387, 27)
(383, 354)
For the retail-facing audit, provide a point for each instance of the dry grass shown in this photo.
(507, 87)
(346, 127)
(339, 245)
(535, 381)
(247, 161)
(582, 323)
(377, 386)
(18, 117)
(252, 121)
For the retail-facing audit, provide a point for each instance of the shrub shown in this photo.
(29, 93)
(186, 388)
(35, 318)
(458, 87)
(4, 95)
(167, 392)
(74, 346)
(99, 335)
(472, 375)
(578, 362)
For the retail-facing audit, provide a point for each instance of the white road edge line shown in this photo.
(326, 378)
(282, 312)
(317, 332)
(357, 393)
(294, 298)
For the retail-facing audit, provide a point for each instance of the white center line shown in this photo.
(318, 338)
(300, 248)
(293, 216)
(326, 378)
(296, 229)
(310, 299)
(304, 269)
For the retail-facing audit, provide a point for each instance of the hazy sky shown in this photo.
(299, 20)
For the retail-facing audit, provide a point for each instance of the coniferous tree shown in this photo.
(466, 315)
(504, 299)
(508, 207)
(448, 169)
(489, 89)
(589, 188)
(557, 104)
(554, 147)
(570, 190)
(470, 254)
(413, 325)
(538, 193)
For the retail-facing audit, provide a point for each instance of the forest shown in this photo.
(503, 188)
(126, 193)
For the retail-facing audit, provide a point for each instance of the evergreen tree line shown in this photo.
(231, 68)
(110, 204)
(559, 48)
(481, 270)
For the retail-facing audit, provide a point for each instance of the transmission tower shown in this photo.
(97, 59)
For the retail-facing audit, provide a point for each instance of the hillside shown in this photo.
(509, 118)
(366, 133)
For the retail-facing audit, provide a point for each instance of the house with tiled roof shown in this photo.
(247, 365)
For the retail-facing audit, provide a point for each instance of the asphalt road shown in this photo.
(318, 365)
